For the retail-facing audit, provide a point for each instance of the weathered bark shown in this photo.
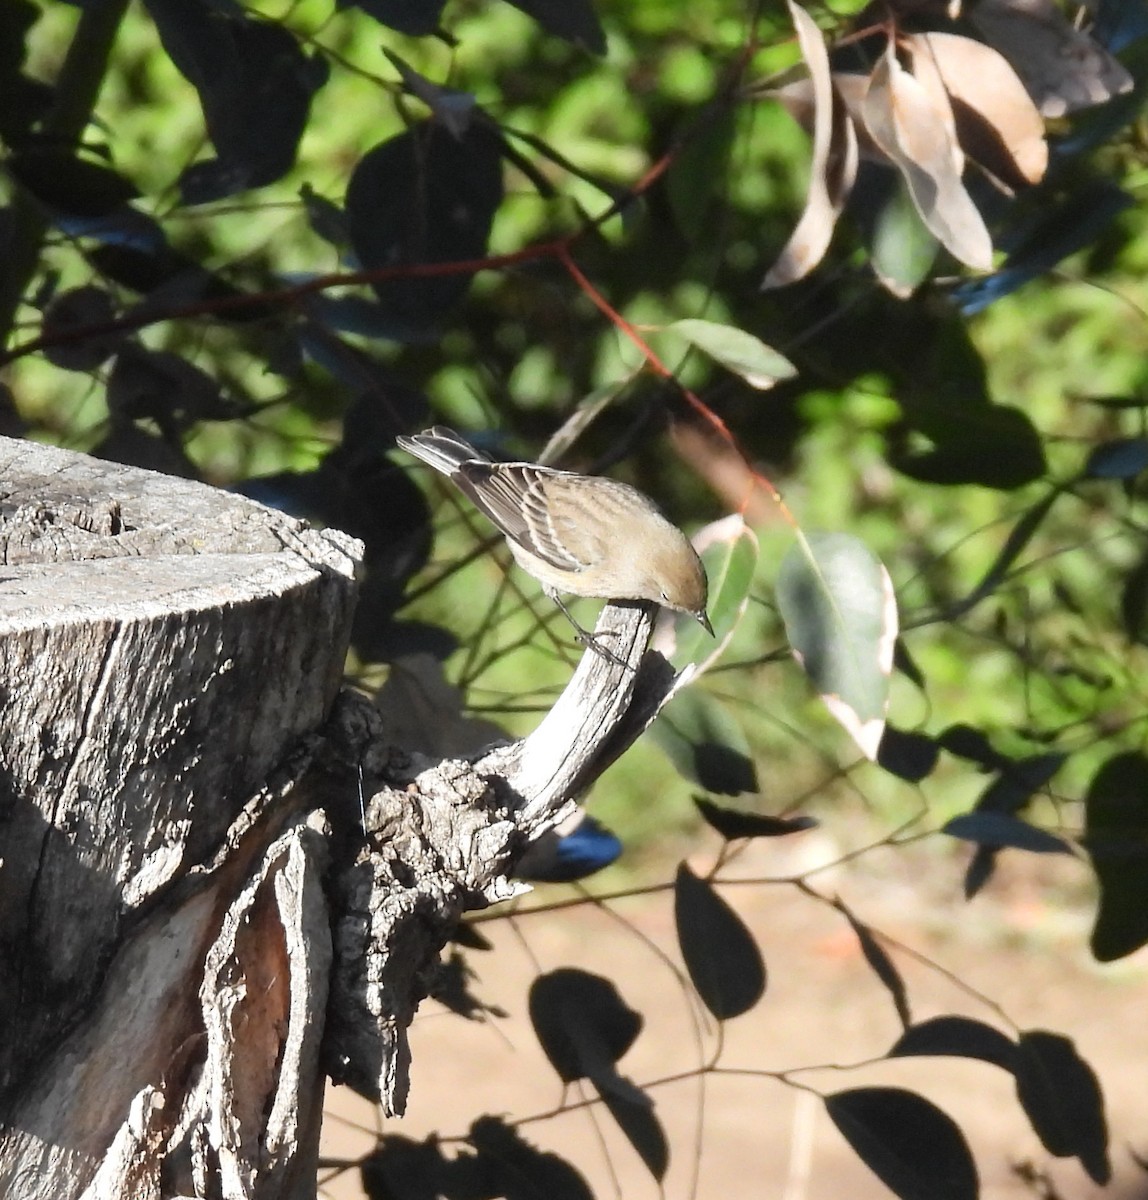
(195, 923)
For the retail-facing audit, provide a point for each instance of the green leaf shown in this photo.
(1116, 838)
(729, 551)
(723, 960)
(706, 744)
(901, 247)
(837, 602)
(915, 1149)
(1061, 1097)
(758, 364)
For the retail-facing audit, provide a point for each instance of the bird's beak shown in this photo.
(704, 622)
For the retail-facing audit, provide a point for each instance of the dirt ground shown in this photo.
(746, 1136)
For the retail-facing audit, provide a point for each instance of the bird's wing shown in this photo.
(513, 496)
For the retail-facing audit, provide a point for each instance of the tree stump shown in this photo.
(219, 880)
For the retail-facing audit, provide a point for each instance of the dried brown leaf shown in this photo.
(997, 123)
(833, 169)
(1062, 68)
(905, 123)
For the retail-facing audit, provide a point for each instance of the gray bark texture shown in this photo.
(224, 876)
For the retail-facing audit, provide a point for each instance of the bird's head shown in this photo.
(683, 586)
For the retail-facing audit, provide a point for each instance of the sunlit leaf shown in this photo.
(905, 121)
(836, 600)
(915, 1149)
(729, 551)
(738, 351)
(1062, 68)
(997, 124)
(723, 960)
(832, 170)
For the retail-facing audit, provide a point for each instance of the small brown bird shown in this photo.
(580, 534)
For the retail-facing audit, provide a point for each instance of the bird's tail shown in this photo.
(441, 448)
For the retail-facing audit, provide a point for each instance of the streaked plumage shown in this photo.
(580, 534)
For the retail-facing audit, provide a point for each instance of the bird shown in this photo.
(583, 535)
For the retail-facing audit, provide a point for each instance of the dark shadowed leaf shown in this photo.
(971, 744)
(999, 830)
(583, 1024)
(564, 858)
(883, 966)
(413, 17)
(837, 602)
(980, 870)
(1017, 782)
(908, 755)
(1116, 838)
(956, 1037)
(514, 1169)
(452, 109)
(1124, 458)
(26, 100)
(640, 1124)
(989, 444)
(905, 663)
(574, 20)
(1061, 1097)
(914, 1148)
(68, 184)
(255, 86)
(164, 387)
(401, 1166)
(1059, 229)
(723, 960)
(69, 314)
(733, 823)
(422, 198)
(1134, 601)
(706, 744)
